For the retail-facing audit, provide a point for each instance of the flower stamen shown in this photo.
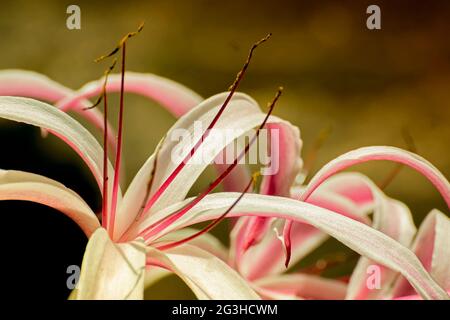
(121, 45)
(214, 223)
(103, 96)
(232, 90)
(165, 222)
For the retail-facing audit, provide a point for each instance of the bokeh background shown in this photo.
(367, 86)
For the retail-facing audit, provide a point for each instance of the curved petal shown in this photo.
(432, 247)
(42, 115)
(305, 238)
(375, 153)
(177, 98)
(391, 217)
(304, 286)
(241, 115)
(19, 185)
(285, 156)
(31, 84)
(207, 276)
(137, 191)
(357, 236)
(111, 271)
(381, 153)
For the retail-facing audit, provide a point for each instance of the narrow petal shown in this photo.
(42, 115)
(19, 185)
(111, 271)
(356, 235)
(305, 238)
(29, 84)
(241, 115)
(207, 276)
(285, 155)
(381, 153)
(432, 247)
(366, 154)
(304, 286)
(177, 98)
(136, 193)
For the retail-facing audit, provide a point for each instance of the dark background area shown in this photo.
(367, 85)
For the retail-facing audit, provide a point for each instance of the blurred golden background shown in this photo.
(367, 85)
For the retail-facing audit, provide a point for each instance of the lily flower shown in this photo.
(142, 230)
(125, 254)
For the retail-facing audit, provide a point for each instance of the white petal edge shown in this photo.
(45, 116)
(19, 185)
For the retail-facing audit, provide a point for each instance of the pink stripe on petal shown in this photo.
(432, 247)
(376, 153)
(285, 147)
(22, 83)
(305, 238)
(358, 236)
(379, 153)
(304, 286)
(177, 98)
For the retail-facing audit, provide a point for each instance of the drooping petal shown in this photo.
(286, 164)
(29, 84)
(177, 98)
(381, 153)
(286, 156)
(304, 286)
(432, 246)
(207, 276)
(356, 235)
(42, 115)
(111, 271)
(366, 154)
(19, 185)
